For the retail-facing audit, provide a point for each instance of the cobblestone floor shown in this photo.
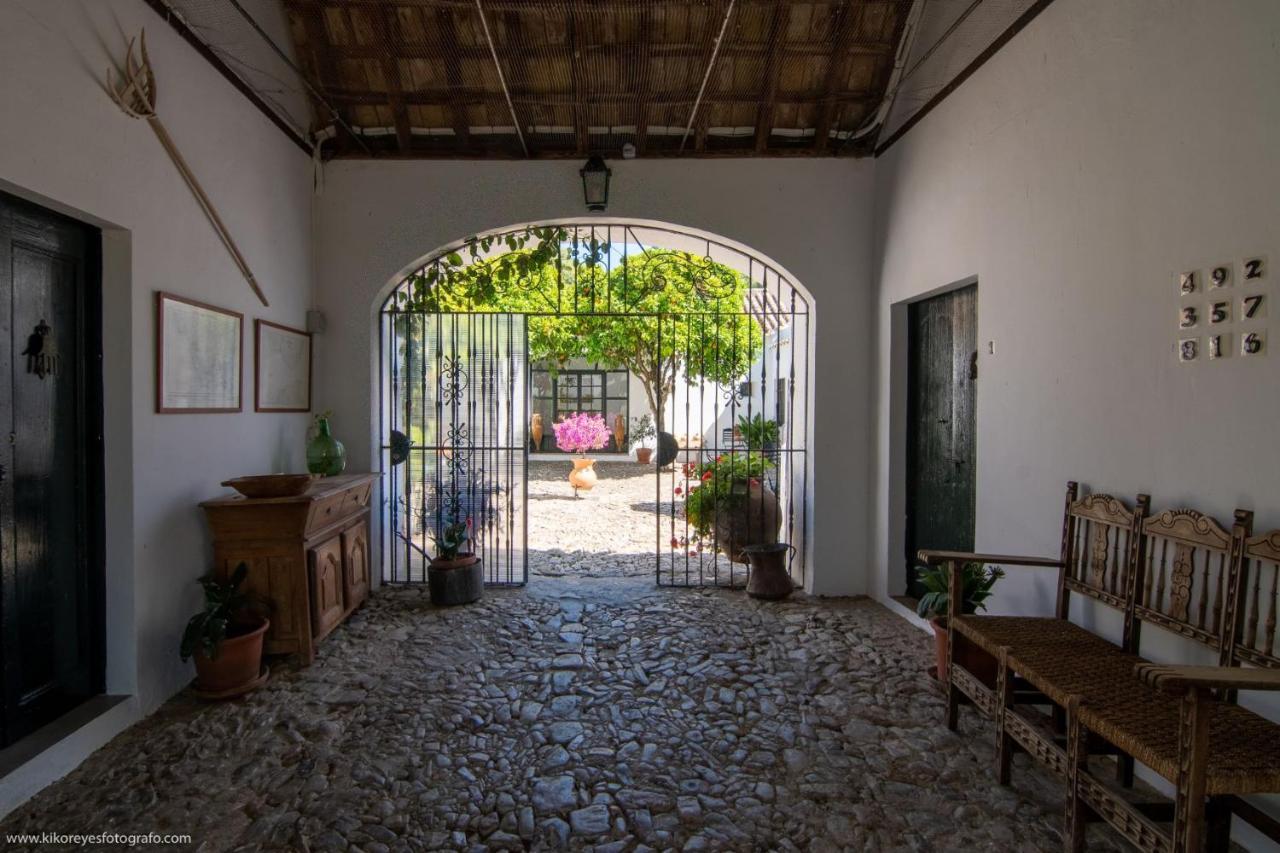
(590, 710)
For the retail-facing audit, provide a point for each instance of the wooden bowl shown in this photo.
(270, 485)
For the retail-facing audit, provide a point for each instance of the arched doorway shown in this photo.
(717, 336)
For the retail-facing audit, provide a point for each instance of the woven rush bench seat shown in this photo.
(993, 633)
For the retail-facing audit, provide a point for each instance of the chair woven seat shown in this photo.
(1244, 748)
(991, 633)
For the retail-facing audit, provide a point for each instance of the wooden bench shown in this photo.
(1179, 570)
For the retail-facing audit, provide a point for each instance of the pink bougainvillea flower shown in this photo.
(581, 432)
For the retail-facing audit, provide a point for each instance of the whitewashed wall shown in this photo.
(1109, 146)
(812, 217)
(65, 144)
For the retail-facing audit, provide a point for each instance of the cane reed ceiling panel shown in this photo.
(418, 78)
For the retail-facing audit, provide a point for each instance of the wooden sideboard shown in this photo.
(308, 555)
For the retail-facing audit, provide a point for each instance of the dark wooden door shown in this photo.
(941, 424)
(50, 467)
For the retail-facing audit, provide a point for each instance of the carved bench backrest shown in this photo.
(1187, 577)
(1099, 551)
(1253, 639)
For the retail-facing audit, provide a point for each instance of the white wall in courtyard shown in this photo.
(812, 217)
(65, 144)
(1106, 148)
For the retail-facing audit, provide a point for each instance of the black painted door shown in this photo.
(941, 425)
(50, 467)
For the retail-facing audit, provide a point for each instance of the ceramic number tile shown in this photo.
(1188, 283)
(1188, 350)
(1220, 276)
(1188, 316)
(1218, 346)
(1253, 343)
(1253, 270)
(1253, 306)
(1219, 312)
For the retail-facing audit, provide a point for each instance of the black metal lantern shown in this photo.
(595, 182)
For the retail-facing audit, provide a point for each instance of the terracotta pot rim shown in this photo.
(250, 634)
(463, 561)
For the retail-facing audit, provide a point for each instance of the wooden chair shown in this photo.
(1182, 721)
(1099, 547)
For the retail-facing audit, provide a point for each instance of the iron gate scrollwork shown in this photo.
(718, 338)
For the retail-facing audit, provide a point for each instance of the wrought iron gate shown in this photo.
(454, 439)
(718, 338)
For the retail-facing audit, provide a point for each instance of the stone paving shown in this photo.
(582, 712)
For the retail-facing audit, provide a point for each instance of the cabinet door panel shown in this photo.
(355, 550)
(326, 587)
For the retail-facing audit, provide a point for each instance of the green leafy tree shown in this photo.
(657, 313)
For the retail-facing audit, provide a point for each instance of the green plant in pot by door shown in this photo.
(325, 454)
(978, 581)
(728, 499)
(455, 575)
(226, 638)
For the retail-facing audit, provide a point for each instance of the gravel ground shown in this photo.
(589, 710)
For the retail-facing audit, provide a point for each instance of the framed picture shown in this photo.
(198, 349)
(283, 368)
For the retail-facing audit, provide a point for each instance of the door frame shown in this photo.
(90, 467)
(893, 579)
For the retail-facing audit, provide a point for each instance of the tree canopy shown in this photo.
(656, 312)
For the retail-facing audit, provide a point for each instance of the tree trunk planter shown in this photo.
(236, 670)
(453, 582)
(583, 476)
(754, 522)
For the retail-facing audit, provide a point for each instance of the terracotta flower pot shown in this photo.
(583, 476)
(458, 581)
(755, 522)
(237, 666)
(644, 455)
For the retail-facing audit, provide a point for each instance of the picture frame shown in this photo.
(199, 357)
(282, 368)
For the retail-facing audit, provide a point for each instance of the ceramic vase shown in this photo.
(325, 454)
(535, 431)
(619, 432)
(583, 476)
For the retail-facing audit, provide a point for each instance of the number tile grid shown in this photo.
(1223, 310)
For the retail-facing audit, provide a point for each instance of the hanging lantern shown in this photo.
(595, 182)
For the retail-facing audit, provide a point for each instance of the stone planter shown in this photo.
(454, 582)
(583, 476)
(754, 522)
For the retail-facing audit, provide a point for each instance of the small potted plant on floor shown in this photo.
(642, 430)
(578, 434)
(455, 575)
(978, 581)
(226, 638)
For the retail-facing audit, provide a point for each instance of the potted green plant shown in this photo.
(642, 430)
(978, 581)
(225, 638)
(455, 575)
(728, 497)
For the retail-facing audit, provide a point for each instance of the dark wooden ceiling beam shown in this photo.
(386, 29)
(578, 84)
(453, 96)
(642, 63)
(769, 92)
(837, 70)
(447, 33)
(431, 50)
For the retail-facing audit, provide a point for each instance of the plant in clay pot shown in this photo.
(455, 574)
(729, 500)
(978, 581)
(642, 430)
(225, 638)
(578, 434)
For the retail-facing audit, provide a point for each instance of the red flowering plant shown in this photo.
(581, 432)
(719, 486)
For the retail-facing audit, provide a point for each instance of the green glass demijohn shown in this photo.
(325, 454)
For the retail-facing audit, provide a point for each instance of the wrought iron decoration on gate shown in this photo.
(717, 337)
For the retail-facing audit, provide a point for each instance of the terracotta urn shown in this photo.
(583, 476)
(535, 431)
(619, 431)
(754, 522)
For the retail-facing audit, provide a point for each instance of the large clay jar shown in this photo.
(535, 431)
(619, 433)
(583, 476)
(755, 521)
